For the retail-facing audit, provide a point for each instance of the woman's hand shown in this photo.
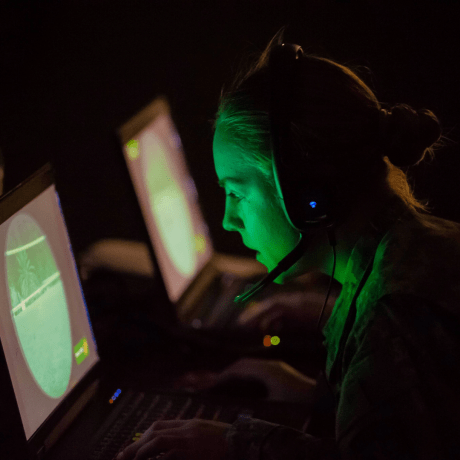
(284, 383)
(295, 306)
(180, 440)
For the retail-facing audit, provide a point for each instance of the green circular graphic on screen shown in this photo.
(169, 206)
(38, 305)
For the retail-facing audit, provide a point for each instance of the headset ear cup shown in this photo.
(306, 202)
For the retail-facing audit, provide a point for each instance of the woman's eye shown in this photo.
(231, 194)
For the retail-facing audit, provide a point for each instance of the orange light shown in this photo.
(111, 401)
(267, 341)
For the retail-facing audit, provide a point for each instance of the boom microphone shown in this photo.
(285, 264)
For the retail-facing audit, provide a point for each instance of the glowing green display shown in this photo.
(38, 306)
(169, 206)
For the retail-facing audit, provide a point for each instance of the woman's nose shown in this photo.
(231, 222)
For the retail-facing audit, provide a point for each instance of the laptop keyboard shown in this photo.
(144, 409)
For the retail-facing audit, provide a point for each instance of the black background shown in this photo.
(72, 72)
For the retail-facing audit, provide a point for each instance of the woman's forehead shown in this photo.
(229, 160)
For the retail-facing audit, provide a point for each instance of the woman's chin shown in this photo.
(260, 259)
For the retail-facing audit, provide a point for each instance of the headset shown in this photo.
(309, 201)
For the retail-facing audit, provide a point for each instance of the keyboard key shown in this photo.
(139, 415)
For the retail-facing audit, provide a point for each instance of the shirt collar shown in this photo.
(361, 256)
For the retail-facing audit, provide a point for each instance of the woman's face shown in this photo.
(250, 207)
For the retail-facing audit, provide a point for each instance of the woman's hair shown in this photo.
(338, 121)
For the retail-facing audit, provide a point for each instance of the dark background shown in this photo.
(72, 72)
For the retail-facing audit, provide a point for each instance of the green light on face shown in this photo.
(133, 149)
(38, 306)
(275, 340)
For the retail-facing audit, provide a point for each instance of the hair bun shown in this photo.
(409, 134)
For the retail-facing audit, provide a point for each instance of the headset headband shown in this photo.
(308, 201)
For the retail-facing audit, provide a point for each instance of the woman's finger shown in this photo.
(130, 451)
(160, 425)
(152, 432)
(165, 424)
(158, 444)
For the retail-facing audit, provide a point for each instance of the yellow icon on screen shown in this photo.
(81, 350)
(200, 243)
(133, 149)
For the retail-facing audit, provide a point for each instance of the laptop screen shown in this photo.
(44, 325)
(167, 197)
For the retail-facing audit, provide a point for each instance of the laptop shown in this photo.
(57, 400)
(201, 284)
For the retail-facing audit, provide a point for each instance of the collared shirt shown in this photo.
(395, 368)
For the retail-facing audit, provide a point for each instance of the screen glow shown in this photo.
(39, 306)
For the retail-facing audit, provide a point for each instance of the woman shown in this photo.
(393, 338)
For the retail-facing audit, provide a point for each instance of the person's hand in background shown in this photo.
(294, 306)
(283, 382)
